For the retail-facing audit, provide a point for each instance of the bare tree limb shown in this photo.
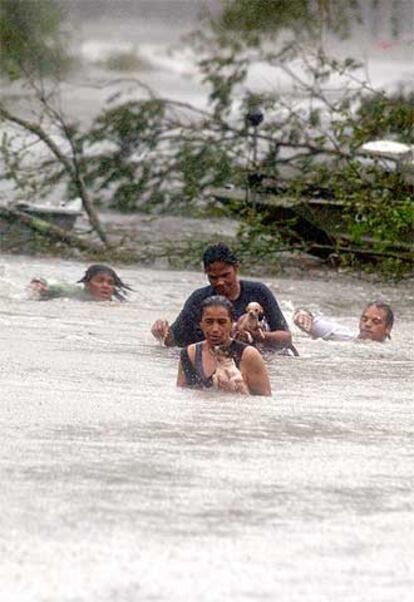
(72, 169)
(47, 229)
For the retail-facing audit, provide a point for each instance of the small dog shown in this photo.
(251, 325)
(227, 375)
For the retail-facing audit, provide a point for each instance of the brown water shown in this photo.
(117, 486)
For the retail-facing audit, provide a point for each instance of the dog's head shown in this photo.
(256, 310)
(222, 353)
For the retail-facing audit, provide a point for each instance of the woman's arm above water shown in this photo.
(42, 289)
(254, 372)
(181, 380)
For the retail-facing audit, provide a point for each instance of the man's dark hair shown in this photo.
(389, 314)
(219, 252)
(99, 268)
(215, 300)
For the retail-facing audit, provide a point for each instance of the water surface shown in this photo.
(117, 486)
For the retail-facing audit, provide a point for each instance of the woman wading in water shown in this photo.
(100, 283)
(198, 362)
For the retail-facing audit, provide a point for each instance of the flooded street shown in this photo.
(117, 486)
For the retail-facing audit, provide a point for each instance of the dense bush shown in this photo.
(392, 116)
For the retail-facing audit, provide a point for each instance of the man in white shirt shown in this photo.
(375, 324)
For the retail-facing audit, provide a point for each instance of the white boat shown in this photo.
(16, 235)
(64, 216)
(393, 156)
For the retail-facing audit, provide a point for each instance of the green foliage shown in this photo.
(222, 74)
(377, 204)
(31, 41)
(255, 19)
(382, 116)
(161, 156)
(257, 241)
(202, 166)
(156, 155)
(309, 128)
(374, 230)
(134, 130)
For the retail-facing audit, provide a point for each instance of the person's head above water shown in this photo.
(221, 267)
(217, 301)
(103, 283)
(219, 252)
(376, 321)
(216, 319)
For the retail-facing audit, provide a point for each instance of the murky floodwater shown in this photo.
(119, 487)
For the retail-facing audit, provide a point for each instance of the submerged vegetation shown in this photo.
(156, 155)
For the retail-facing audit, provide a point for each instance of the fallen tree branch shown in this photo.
(72, 169)
(409, 257)
(49, 230)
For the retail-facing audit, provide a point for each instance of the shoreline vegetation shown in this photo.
(177, 243)
(160, 157)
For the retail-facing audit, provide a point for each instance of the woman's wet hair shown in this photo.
(121, 289)
(389, 314)
(218, 300)
(219, 252)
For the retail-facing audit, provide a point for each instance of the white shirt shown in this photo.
(329, 330)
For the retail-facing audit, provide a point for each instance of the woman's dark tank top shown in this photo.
(194, 373)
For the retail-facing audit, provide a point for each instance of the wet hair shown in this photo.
(121, 289)
(219, 252)
(389, 314)
(219, 300)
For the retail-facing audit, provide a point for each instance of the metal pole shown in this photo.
(253, 118)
